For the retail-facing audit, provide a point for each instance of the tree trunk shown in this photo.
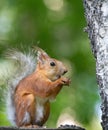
(96, 12)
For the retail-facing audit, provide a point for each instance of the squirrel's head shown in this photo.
(51, 68)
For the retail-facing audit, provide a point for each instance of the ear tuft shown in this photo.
(41, 55)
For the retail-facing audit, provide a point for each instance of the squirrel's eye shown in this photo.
(52, 64)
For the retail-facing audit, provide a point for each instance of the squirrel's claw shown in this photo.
(66, 81)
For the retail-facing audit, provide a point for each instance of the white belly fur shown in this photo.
(40, 108)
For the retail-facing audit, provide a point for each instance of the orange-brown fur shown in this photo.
(36, 90)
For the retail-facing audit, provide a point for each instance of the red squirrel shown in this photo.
(33, 87)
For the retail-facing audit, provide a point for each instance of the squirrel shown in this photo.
(37, 81)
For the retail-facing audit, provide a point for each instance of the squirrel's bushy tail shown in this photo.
(25, 64)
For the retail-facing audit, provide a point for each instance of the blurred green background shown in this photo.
(57, 27)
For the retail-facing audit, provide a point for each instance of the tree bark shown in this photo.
(96, 12)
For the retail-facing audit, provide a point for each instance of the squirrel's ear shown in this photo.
(42, 56)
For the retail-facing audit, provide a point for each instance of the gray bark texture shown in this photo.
(96, 13)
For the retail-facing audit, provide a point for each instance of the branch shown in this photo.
(65, 127)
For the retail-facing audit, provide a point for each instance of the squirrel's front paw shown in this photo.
(65, 81)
